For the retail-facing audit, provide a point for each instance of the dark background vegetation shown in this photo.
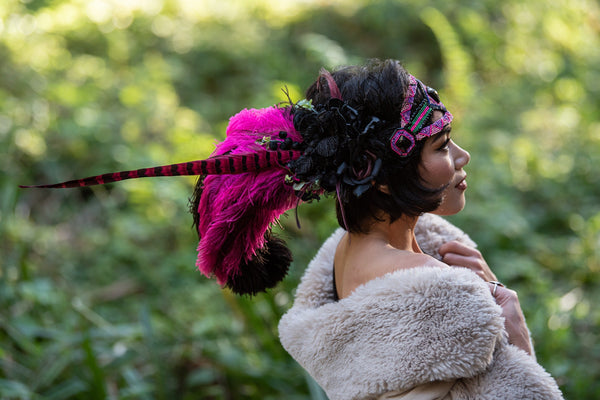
(99, 297)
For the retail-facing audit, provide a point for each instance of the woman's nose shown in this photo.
(461, 158)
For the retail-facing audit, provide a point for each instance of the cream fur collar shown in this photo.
(405, 329)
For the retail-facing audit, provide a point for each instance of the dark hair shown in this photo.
(375, 92)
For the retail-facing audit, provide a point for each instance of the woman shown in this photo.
(380, 312)
(376, 316)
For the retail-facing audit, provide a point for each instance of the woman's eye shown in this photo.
(444, 146)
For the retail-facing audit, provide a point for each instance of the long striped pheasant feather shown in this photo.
(227, 164)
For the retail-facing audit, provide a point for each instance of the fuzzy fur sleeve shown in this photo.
(432, 231)
(407, 328)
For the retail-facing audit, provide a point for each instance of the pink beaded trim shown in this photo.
(404, 139)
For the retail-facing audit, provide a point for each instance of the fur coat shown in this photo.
(419, 333)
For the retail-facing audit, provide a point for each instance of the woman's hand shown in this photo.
(459, 254)
(514, 321)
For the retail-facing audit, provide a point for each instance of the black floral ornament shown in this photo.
(360, 179)
(338, 150)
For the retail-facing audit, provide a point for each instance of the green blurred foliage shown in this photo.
(99, 297)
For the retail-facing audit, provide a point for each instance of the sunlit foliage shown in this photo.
(99, 297)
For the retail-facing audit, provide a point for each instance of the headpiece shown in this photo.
(271, 159)
(339, 142)
(414, 119)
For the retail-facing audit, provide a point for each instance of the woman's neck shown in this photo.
(400, 234)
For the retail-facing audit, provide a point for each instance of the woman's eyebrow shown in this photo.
(446, 130)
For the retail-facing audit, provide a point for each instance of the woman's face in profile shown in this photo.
(442, 163)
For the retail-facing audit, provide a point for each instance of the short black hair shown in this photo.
(378, 89)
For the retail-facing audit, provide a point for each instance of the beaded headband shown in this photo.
(404, 139)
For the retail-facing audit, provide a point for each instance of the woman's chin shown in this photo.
(446, 209)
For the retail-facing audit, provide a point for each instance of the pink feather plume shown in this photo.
(236, 210)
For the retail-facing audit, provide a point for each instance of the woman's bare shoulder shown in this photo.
(360, 264)
(394, 260)
(384, 262)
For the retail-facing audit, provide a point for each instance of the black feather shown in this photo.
(194, 202)
(265, 270)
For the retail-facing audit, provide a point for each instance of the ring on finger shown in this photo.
(496, 284)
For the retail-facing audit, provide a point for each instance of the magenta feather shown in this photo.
(236, 210)
(334, 90)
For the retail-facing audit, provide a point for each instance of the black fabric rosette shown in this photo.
(339, 151)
